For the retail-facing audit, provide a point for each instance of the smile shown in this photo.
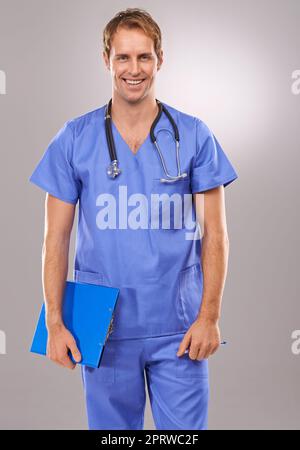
(133, 82)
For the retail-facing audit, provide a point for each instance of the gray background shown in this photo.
(228, 62)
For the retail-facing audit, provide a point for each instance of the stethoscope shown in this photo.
(113, 170)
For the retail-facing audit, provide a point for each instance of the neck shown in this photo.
(133, 115)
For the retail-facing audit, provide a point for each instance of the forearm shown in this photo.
(55, 271)
(215, 251)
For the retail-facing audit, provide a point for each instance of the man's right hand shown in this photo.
(60, 341)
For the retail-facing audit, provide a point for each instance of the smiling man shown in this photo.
(167, 316)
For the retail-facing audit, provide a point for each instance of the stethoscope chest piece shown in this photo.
(113, 170)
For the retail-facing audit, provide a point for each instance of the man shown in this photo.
(133, 234)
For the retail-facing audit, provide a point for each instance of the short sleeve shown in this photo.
(54, 172)
(211, 166)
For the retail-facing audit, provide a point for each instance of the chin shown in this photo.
(133, 97)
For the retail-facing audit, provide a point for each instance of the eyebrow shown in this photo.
(141, 54)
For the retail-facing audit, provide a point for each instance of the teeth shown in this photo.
(133, 81)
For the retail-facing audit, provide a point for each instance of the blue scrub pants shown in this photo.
(178, 387)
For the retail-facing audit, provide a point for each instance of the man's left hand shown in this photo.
(202, 339)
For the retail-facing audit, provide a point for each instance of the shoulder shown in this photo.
(65, 139)
(189, 120)
(81, 123)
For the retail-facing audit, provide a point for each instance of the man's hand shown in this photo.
(202, 338)
(60, 340)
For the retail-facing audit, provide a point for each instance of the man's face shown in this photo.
(132, 57)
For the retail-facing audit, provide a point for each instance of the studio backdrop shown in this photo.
(235, 64)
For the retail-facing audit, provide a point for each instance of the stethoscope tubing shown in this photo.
(113, 169)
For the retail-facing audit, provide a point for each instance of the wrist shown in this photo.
(208, 319)
(54, 319)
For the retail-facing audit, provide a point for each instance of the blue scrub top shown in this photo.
(147, 245)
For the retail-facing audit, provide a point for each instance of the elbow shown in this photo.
(56, 241)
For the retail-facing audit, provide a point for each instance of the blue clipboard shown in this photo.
(87, 312)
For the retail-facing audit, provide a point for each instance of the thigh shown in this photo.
(115, 392)
(178, 386)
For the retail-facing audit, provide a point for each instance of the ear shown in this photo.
(106, 60)
(160, 60)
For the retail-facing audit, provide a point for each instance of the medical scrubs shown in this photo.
(140, 235)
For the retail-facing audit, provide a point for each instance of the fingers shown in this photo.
(206, 350)
(203, 352)
(184, 344)
(58, 347)
(61, 358)
(197, 349)
(71, 343)
(194, 349)
(67, 362)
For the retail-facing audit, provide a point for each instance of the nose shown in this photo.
(134, 67)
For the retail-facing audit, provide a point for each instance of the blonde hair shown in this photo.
(132, 18)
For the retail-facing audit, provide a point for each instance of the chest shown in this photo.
(138, 159)
(133, 138)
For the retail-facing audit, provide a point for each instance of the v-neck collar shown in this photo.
(135, 155)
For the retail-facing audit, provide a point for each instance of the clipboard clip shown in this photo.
(110, 328)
